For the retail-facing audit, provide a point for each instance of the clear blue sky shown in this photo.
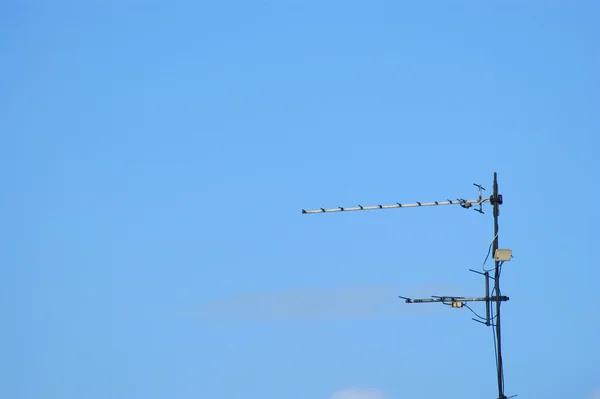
(155, 156)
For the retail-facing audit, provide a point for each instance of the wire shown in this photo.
(498, 356)
(494, 334)
(488, 254)
(496, 352)
(475, 313)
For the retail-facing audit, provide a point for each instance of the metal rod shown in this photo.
(496, 200)
(487, 301)
(465, 203)
(457, 299)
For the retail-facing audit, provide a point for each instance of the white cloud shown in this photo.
(359, 393)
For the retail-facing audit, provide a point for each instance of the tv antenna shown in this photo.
(500, 256)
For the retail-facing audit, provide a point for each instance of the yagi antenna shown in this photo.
(500, 256)
(462, 202)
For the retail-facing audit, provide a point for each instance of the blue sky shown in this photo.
(155, 157)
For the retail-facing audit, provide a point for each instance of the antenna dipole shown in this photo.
(495, 201)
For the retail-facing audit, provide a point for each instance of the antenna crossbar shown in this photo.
(501, 298)
(463, 203)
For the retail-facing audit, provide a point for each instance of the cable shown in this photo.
(475, 313)
(497, 354)
(500, 268)
(488, 254)
(494, 335)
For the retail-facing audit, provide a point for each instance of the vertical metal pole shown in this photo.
(496, 204)
(487, 298)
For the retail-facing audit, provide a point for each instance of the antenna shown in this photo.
(500, 256)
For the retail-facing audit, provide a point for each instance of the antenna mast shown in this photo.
(500, 256)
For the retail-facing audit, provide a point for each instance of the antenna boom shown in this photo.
(464, 203)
